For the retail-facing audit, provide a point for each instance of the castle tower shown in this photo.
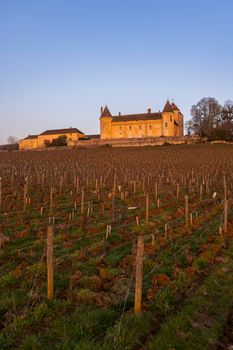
(105, 123)
(178, 120)
(168, 120)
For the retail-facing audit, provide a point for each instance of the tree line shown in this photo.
(211, 119)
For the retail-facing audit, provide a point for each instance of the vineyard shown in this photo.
(117, 248)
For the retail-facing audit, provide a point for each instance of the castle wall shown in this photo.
(139, 142)
(139, 128)
(28, 144)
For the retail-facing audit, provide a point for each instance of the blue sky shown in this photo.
(60, 60)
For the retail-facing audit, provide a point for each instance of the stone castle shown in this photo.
(168, 123)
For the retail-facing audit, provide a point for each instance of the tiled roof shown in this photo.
(31, 137)
(167, 107)
(96, 136)
(174, 107)
(136, 117)
(62, 131)
(106, 113)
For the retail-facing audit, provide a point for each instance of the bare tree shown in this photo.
(206, 116)
(227, 120)
(12, 140)
(227, 112)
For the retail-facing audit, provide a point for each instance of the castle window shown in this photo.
(150, 126)
(140, 128)
(120, 127)
(129, 127)
(166, 125)
(170, 118)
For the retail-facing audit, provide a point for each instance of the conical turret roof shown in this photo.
(106, 113)
(174, 107)
(167, 107)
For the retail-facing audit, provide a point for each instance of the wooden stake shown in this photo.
(220, 231)
(191, 219)
(139, 271)
(186, 212)
(225, 187)
(156, 191)
(82, 202)
(225, 214)
(113, 206)
(201, 190)
(177, 191)
(134, 187)
(77, 185)
(108, 231)
(51, 201)
(25, 192)
(147, 208)
(50, 272)
(165, 231)
(153, 239)
(88, 209)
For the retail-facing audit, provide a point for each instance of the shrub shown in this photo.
(58, 142)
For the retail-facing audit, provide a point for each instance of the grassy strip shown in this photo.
(132, 331)
(199, 324)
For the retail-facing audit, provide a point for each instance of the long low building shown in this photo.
(168, 123)
(47, 137)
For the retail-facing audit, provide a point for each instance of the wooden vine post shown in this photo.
(147, 208)
(51, 201)
(113, 206)
(186, 212)
(50, 271)
(156, 191)
(25, 193)
(225, 214)
(177, 191)
(201, 191)
(139, 275)
(165, 231)
(82, 202)
(225, 187)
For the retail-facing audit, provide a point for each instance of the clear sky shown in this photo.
(60, 60)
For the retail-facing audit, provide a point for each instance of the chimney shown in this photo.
(119, 114)
(149, 110)
(101, 110)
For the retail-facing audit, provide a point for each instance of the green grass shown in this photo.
(200, 323)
